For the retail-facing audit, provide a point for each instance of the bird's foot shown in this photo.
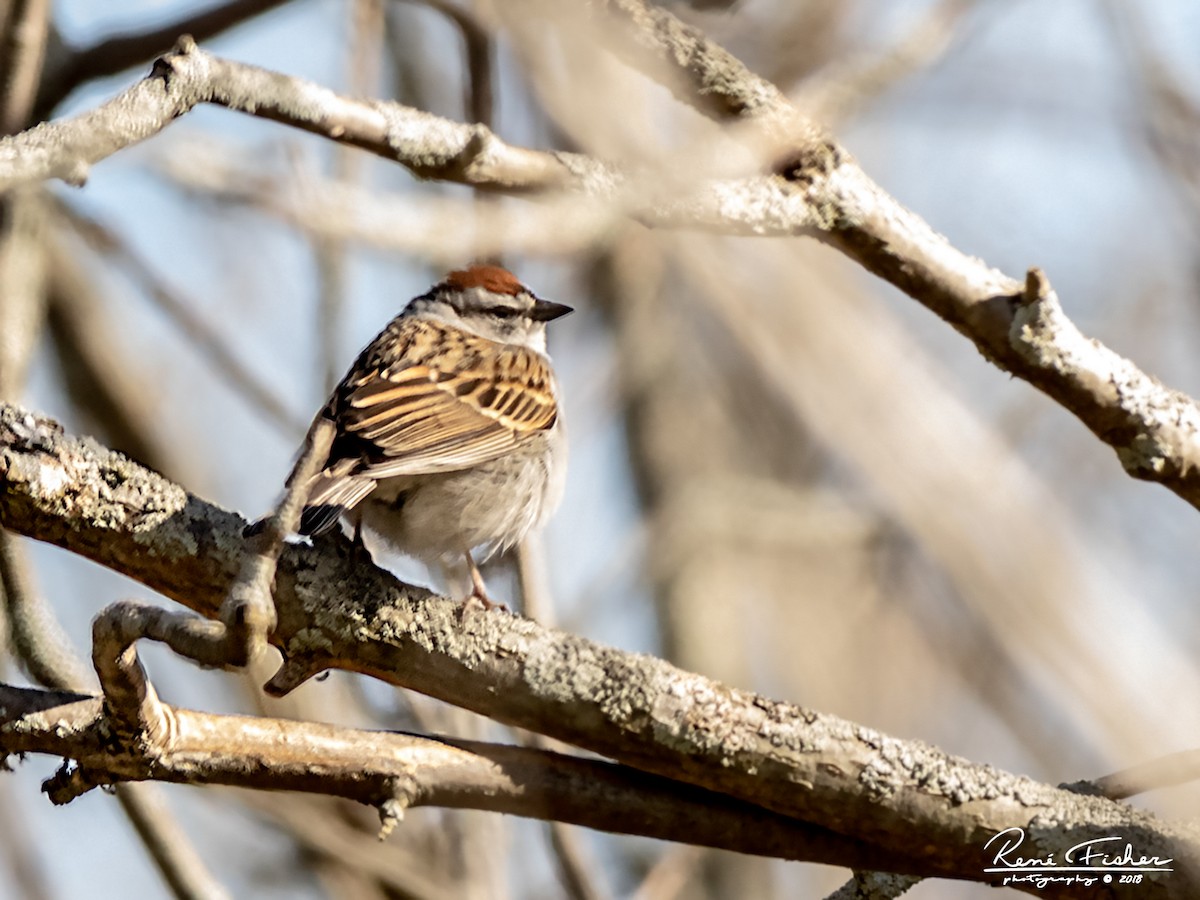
(479, 591)
(481, 597)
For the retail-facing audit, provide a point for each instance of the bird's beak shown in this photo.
(546, 310)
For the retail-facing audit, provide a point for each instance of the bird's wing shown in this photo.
(435, 398)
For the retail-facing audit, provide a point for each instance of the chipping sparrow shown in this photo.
(448, 432)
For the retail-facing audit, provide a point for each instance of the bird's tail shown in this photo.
(329, 497)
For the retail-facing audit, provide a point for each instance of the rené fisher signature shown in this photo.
(1096, 857)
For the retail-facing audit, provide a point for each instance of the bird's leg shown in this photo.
(478, 588)
(358, 548)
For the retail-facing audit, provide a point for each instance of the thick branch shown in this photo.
(636, 709)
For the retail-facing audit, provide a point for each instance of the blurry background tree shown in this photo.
(784, 474)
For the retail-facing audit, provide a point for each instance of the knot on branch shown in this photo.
(1039, 331)
(166, 65)
(69, 782)
(1037, 287)
(402, 793)
(810, 162)
(295, 670)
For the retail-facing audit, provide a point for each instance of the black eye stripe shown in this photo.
(506, 312)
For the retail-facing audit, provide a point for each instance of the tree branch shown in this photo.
(187, 76)
(1155, 774)
(124, 51)
(635, 709)
(22, 50)
(1021, 329)
(391, 771)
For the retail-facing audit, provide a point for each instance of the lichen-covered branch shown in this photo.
(75, 66)
(430, 146)
(635, 709)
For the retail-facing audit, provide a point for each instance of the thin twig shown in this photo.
(874, 886)
(1166, 771)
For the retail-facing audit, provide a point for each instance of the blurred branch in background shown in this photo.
(391, 866)
(113, 397)
(479, 96)
(1012, 555)
(440, 229)
(840, 90)
(17, 849)
(577, 871)
(23, 274)
(181, 310)
(38, 641)
(1168, 115)
(329, 253)
(669, 877)
(24, 29)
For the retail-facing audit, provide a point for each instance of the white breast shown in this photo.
(493, 505)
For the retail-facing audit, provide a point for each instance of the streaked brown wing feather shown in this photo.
(417, 416)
